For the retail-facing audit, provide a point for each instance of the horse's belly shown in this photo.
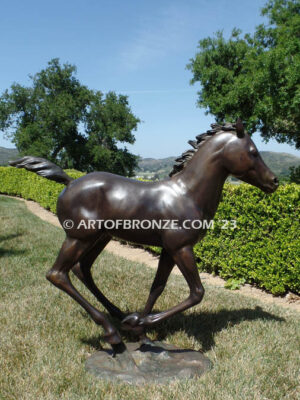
(144, 237)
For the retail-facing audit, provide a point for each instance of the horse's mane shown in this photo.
(181, 161)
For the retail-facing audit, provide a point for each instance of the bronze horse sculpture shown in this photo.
(192, 192)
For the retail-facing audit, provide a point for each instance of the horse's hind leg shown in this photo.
(71, 252)
(165, 266)
(83, 271)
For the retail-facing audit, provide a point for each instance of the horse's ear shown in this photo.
(240, 132)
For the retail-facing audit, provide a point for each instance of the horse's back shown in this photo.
(99, 193)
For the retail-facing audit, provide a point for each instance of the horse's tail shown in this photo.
(42, 167)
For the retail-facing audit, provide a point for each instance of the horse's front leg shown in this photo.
(165, 266)
(185, 260)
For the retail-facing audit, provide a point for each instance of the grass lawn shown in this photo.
(45, 336)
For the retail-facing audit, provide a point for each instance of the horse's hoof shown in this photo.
(113, 338)
(149, 320)
(131, 321)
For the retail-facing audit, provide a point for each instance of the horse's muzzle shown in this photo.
(272, 185)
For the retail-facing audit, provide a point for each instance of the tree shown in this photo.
(294, 175)
(256, 77)
(62, 120)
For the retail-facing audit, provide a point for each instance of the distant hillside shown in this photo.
(156, 165)
(152, 168)
(7, 154)
(279, 163)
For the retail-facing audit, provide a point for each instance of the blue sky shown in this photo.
(138, 48)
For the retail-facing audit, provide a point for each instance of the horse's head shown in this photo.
(242, 160)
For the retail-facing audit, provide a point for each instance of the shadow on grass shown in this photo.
(10, 236)
(11, 252)
(202, 326)
(93, 341)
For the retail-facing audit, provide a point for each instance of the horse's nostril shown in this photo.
(276, 181)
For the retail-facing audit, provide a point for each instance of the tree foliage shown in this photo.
(62, 120)
(255, 76)
(294, 175)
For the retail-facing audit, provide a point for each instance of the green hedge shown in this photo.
(263, 250)
(30, 186)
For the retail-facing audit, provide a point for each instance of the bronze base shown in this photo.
(147, 363)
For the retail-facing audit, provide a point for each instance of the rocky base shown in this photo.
(154, 362)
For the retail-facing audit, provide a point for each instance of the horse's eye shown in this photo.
(254, 153)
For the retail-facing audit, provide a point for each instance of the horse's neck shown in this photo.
(204, 177)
